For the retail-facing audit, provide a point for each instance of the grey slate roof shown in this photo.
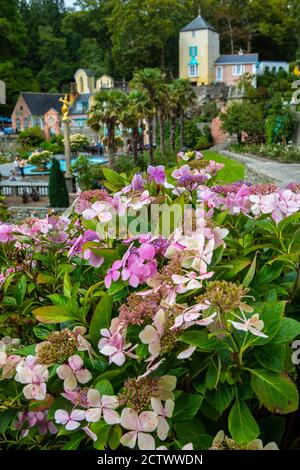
(89, 72)
(40, 103)
(237, 59)
(198, 23)
(83, 98)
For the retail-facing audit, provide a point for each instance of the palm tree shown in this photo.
(106, 110)
(182, 96)
(151, 83)
(133, 113)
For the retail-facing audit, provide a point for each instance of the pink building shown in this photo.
(229, 68)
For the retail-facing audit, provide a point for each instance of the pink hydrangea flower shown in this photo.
(99, 406)
(253, 325)
(138, 268)
(139, 427)
(73, 372)
(152, 334)
(8, 364)
(113, 343)
(70, 420)
(182, 171)
(6, 233)
(102, 211)
(156, 173)
(113, 274)
(162, 412)
(35, 376)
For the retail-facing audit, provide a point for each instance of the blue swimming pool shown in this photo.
(30, 169)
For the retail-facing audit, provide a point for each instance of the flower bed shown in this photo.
(120, 330)
(284, 153)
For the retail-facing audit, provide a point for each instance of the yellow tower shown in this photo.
(199, 48)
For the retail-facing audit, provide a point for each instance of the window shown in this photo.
(18, 124)
(219, 74)
(193, 51)
(193, 70)
(194, 34)
(26, 123)
(79, 122)
(79, 107)
(238, 70)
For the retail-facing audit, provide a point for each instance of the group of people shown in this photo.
(19, 165)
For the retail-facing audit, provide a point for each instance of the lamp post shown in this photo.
(67, 102)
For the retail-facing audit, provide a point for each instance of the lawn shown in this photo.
(233, 171)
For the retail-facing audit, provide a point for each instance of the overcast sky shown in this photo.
(69, 3)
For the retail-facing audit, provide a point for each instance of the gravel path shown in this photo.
(280, 173)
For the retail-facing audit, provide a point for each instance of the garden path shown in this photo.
(282, 173)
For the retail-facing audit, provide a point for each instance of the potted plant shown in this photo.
(40, 159)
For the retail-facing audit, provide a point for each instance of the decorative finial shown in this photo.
(199, 11)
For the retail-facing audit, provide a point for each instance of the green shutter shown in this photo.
(193, 51)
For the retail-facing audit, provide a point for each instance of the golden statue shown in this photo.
(67, 103)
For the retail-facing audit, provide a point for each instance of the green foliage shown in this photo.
(283, 153)
(202, 143)
(58, 194)
(31, 138)
(244, 117)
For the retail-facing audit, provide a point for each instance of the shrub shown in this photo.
(58, 193)
(40, 157)
(78, 142)
(202, 143)
(31, 137)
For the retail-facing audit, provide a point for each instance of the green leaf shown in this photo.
(104, 387)
(101, 318)
(44, 278)
(236, 266)
(6, 418)
(114, 437)
(266, 275)
(250, 274)
(193, 431)
(277, 392)
(241, 424)
(27, 350)
(213, 372)
(186, 406)
(59, 300)
(101, 429)
(288, 330)
(221, 398)
(200, 339)
(113, 177)
(74, 442)
(271, 356)
(20, 290)
(67, 286)
(52, 314)
(42, 331)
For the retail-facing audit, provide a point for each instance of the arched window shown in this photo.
(18, 124)
(81, 85)
(26, 123)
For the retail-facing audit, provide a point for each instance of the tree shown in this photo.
(244, 117)
(58, 193)
(151, 83)
(31, 138)
(106, 111)
(182, 96)
(132, 115)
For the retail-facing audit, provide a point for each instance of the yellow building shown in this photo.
(199, 48)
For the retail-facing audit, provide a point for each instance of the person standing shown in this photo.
(16, 165)
(21, 167)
